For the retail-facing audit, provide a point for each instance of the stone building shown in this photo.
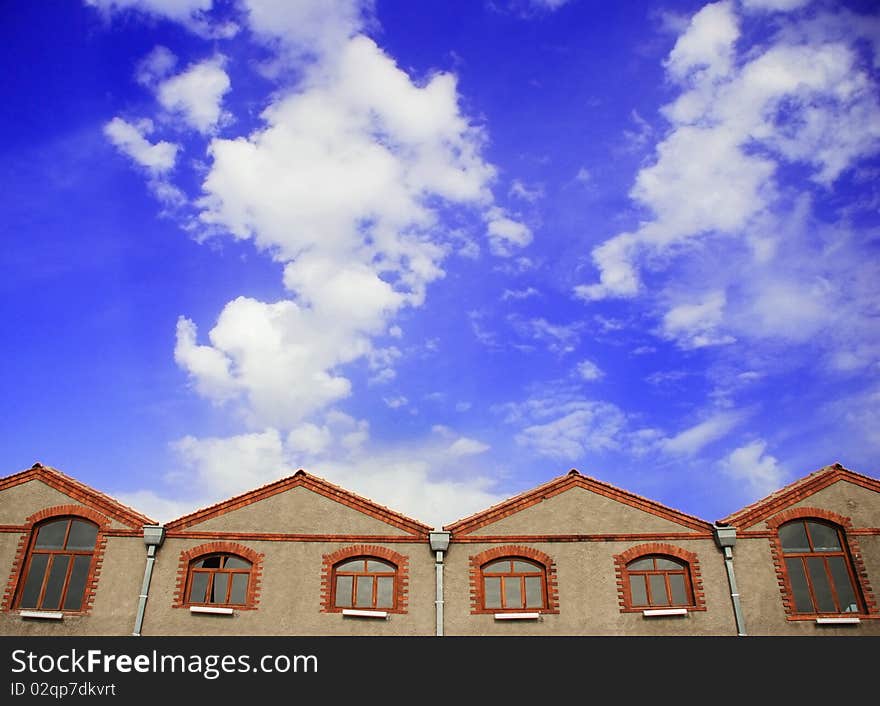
(574, 556)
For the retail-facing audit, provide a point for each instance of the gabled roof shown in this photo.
(78, 491)
(310, 482)
(573, 479)
(798, 490)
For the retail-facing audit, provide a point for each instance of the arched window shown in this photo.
(218, 580)
(656, 581)
(819, 568)
(513, 583)
(57, 565)
(364, 582)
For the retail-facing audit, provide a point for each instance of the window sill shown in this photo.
(837, 621)
(42, 614)
(211, 609)
(365, 613)
(664, 612)
(517, 616)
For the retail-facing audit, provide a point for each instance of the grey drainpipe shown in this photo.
(439, 544)
(725, 537)
(154, 535)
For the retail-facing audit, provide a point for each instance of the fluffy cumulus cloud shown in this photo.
(760, 133)
(759, 472)
(197, 94)
(336, 186)
(130, 139)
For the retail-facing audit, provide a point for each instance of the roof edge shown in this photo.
(311, 482)
(561, 483)
(790, 493)
(80, 492)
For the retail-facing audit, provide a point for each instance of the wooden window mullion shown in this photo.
(46, 576)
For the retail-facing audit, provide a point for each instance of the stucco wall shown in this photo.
(298, 510)
(21, 501)
(588, 594)
(579, 511)
(290, 597)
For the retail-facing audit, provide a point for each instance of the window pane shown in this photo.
(82, 535)
(533, 592)
(821, 585)
(199, 587)
(34, 583)
(51, 535)
(351, 565)
(492, 592)
(378, 567)
(645, 564)
(668, 564)
(676, 585)
(524, 567)
(209, 562)
(802, 601)
(825, 538)
(239, 589)
(219, 587)
(658, 590)
(512, 593)
(57, 575)
(843, 585)
(497, 567)
(343, 592)
(364, 596)
(236, 562)
(794, 537)
(638, 591)
(77, 586)
(385, 592)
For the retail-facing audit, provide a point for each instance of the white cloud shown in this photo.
(395, 402)
(192, 14)
(759, 472)
(197, 94)
(692, 440)
(558, 338)
(519, 294)
(505, 233)
(129, 139)
(802, 99)
(222, 467)
(694, 325)
(588, 370)
(157, 65)
(527, 193)
(774, 5)
(707, 45)
(467, 447)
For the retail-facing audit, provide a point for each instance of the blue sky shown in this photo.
(440, 252)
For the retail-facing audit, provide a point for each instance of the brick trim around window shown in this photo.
(477, 561)
(859, 570)
(624, 597)
(189, 555)
(25, 541)
(400, 561)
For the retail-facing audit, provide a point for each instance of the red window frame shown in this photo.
(512, 575)
(823, 555)
(683, 569)
(212, 573)
(363, 573)
(54, 554)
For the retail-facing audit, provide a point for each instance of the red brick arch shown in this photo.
(845, 524)
(24, 543)
(651, 548)
(187, 557)
(371, 551)
(514, 551)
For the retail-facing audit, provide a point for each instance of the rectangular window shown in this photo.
(492, 592)
(76, 586)
(55, 584)
(343, 591)
(638, 591)
(802, 601)
(512, 593)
